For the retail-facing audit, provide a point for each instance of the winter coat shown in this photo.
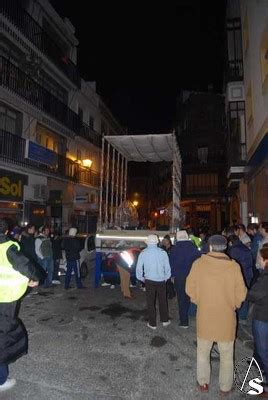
(13, 336)
(216, 285)
(72, 247)
(56, 248)
(153, 264)
(242, 255)
(258, 295)
(182, 256)
(255, 243)
(28, 246)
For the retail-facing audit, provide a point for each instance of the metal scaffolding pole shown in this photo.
(101, 182)
(107, 185)
(121, 184)
(125, 181)
(117, 187)
(112, 190)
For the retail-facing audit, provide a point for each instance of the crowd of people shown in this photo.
(215, 276)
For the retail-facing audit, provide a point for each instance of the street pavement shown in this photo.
(94, 345)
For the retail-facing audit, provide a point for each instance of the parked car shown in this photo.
(87, 255)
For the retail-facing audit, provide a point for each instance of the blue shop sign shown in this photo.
(40, 154)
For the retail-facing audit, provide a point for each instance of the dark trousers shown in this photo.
(56, 270)
(260, 334)
(73, 265)
(183, 300)
(3, 373)
(156, 289)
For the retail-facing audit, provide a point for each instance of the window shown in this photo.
(91, 122)
(54, 88)
(201, 183)
(10, 120)
(237, 128)
(202, 155)
(235, 57)
(51, 140)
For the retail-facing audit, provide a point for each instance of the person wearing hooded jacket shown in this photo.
(153, 268)
(72, 248)
(16, 273)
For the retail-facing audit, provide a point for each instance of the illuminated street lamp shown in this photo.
(135, 203)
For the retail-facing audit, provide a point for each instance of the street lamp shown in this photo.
(135, 203)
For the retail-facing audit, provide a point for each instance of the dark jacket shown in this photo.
(182, 256)
(28, 246)
(56, 248)
(258, 295)
(13, 335)
(255, 243)
(72, 248)
(242, 255)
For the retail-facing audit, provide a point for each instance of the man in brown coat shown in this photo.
(215, 284)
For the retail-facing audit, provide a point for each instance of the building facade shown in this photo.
(50, 121)
(201, 137)
(247, 112)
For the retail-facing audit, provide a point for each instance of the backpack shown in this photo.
(45, 247)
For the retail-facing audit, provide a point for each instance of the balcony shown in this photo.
(12, 150)
(235, 71)
(20, 83)
(19, 17)
(236, 164)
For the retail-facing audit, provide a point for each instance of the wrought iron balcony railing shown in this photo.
(12, 150)
(23, 21)
(15, 80)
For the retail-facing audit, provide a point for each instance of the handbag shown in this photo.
(171, 292)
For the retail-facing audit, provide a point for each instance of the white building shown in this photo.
(247, 111)
(50, 121)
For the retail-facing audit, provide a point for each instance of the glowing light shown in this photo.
(135, 203)
(127, 258)
(87, 163)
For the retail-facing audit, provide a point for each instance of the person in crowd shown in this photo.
(153, 268)
(28, 242)
(242, 255)
(15, 234)
(204, 236)
(216, 285)
(16, 273)
(57, 255)
(126, 264)
(258, 295)
(43, 250)
(194, 237)
(72, 248)
(166, 244)
(182, 256)
(264, 233)
(240, 231)
(256, 238)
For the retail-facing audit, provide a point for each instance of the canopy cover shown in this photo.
(142, 148)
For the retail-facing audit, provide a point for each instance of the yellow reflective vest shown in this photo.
(13, 284)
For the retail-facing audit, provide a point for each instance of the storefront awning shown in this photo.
(142, 148)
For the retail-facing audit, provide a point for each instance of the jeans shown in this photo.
(183, 300)
(156, 289)
(260, 334)
(73, 265)
(56, 270)
(48, 265)
(243, 311)
(3, 373)
(226, 350)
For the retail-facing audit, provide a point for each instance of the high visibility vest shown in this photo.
(13, 284)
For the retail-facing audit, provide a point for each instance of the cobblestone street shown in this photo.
(91, 345)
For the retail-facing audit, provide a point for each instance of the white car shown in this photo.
(87, 255)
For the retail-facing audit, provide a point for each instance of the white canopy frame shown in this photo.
(118, 151)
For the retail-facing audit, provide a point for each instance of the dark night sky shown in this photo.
(142, 56)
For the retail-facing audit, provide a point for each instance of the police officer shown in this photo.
(16, 273)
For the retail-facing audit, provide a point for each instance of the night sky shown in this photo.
(142, 55)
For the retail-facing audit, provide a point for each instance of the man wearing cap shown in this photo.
(216, 285)
(153, 268)
(71, 246)
(182, 256)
